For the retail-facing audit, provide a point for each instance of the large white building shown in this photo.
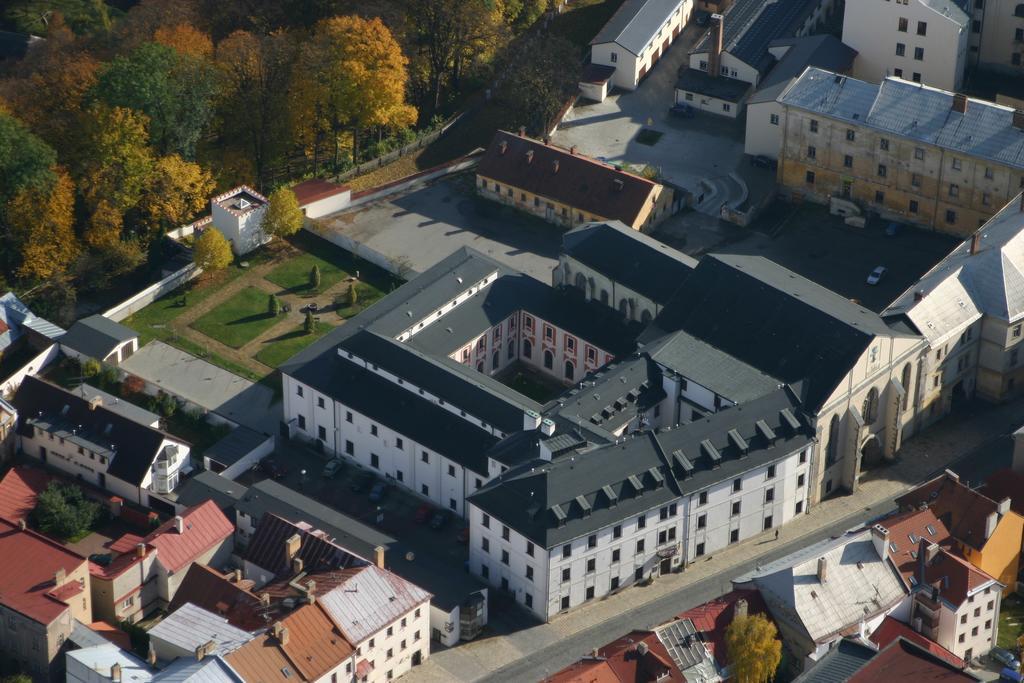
(925, 41)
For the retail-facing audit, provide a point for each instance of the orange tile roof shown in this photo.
(621, 662)
(963, 510)
(713, 617)
(113, 634)
(211, 590)
(18, 492)
(906, 529)
(261, 661)
(903, 660)
(204, 527)
(28, 570)
(955, 577)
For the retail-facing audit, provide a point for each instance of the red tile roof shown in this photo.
(955, 577)
(113, 634)
(713, 617)
(902, 660)
(27, 572)
(216, 593)
(890, 629)
(1006, 484)
(19, 490)
(906, 529)
(621, 661)
(125, 544)
(314, 189)
(579, 181)
(204, 526)
(963, 510)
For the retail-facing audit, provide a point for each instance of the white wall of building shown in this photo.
(328, 205)
(764, 129)
(630, 68)
(711, 105)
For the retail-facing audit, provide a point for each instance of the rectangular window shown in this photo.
(734, 536)
(883, 144)
(373, 430)
(950, 216)
(641, 522)
(912, 208)
(901, 49)
(485, 521)
(736, 508)
(774, 119)
(800, 481)
(700, 550)
(702, 521)
(771, 471)
(319, 401)
(957, 164)
(879, 197)
(615, 555)
(812, 153)
(919, 53)
(374, 461)
(767, 522)
(799, 507)
(529, 573)
(592, 541)
(954, 190)
(567, 550)
(882, 171)
(614, 56)
(302, 423)
(298, 390)
(702, 498)
(321, 433)
(809, 177)
(591, 565)
(922, 28)
(902, 25)
(617, 531)
(769, 495)
(915, 180)
(350, 448)
(848, 161)
(566, 574)
(639, 546)
(504, 557)
(451, 470)
(737, 485)
(851, 135)
(529, 548)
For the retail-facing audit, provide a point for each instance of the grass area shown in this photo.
(532, 386)
(293, 274)
(279, 349)
(367, 295)
(198, 432)
(648, 137)
(1011, 622)
(584, 19)
(238, 320)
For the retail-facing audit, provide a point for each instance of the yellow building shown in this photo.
(986, 533)
(902, 150)
(567, 188)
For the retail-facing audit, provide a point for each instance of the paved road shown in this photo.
(974, 442)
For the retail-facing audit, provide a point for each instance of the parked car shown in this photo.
(361, 482)
(681, 109)
(379, 492)
(440, 519)
(1010, 675)
(423, 513)
(876, 275)
(892, 229)
(463, 536)
(1005, 657)
(273, 469)
(333, 467)
(762, 161)
(703, 18)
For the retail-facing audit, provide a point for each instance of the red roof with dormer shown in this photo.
(203, 527)
(19, 490)
(28, 574)
(890, 629)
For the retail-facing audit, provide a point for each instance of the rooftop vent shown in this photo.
(618, 184)
(765, 431)
(738, 441)
(243, 203)
(529, 157)
(708, 449)
(503, 146)
(584, 505)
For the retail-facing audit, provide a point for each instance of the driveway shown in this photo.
(705, 148)
(427, 223)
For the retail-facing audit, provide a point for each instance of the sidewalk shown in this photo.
(927, 454)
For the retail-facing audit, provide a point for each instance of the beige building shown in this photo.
(1000, 28)
(45, 588)
(971, 311)
(902, 150)
(566, 188)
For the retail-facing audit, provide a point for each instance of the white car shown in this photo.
(876, 275)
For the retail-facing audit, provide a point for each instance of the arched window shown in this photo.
(833, 441)
(495, 359)
(645, 317)
(870, 411)
(604, 297)
(905, 380)
(624, 308)
(581, 282)
(527, 348)
(549, 359)
(570, 370)
(511, 349)
(480, 366)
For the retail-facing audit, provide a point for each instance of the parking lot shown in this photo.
(423, 225)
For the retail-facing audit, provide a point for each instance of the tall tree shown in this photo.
(753, 648)
(256, 76)
(186, 39)
(177, 191)
(114, 162)
(540, 84)
(283, 217)
(176, 91)
(41, 223)
(105, 226)
(25, 160)
(211, 251)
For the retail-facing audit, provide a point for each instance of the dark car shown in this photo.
(682, 110)
(379, 492)
(1004, 657)
(423, 513)
(892, 229)
(361, 482)
(273, 469)
(440, 519)
(333, 467)
(703, 18)
(761, 161)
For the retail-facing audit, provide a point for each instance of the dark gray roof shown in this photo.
(239, 442)
(774, 320)
(635, 23)
(611, 397)
(824, 51)
(208, 485)
(719, 87)
(269, 496)
(751, 25)
(645, 265)
(96, 336)
(839, 664)
(83, 636)
(532, 497)
(117, 404)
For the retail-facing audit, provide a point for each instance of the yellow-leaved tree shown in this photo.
(211, 251)
(283, 217)
(114, 160)
(186, 39)
(104, 227)
(753, 648)
(177, 190)
(41, 222)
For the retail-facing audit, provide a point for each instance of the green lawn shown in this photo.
(279, 349)
(367, 296)
(532, 386)
(1011, 622)
(238, 320)
(293, 274)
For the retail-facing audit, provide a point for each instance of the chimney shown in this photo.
(280, 633)
(206, 649)
(618, 184)
(822, 569)
(529, 156)
(95, 402)
(291, 547)
(59, 576)
(990, 524)
(554, 166)
(264, 599)
(1004, 506)
(22, 524)
(522, 131)
(975, 243)
(503, 146)
(572, 149)
(1018, 119)
(151, 656)
(960, 103)
(715, 57)
(880, 539)
(952, 476)
(531, 419)
(179, 524)
(115, 673)
(297, 565)
(140, 549)
(547, 426)
(378, 556)
(641, 649)
(311, 591)
(739, 609)
(236, 576)
(918, 296)
(930, 551)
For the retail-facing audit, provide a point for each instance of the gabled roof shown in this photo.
(209, 485)
(204, 526)
(19, 490)
(207, 588)
(132, 447)
(824, 51)
(315, 189)
(317, 552)
(964, 511)
(838, 664)
(88, 662)
(627, 256)
(903, 660)
(949, 577)
(906, 530)
(96, 336)
(212, 669)
(189, 626)
(712, 618)
(637, 657)
(636, 23)
(369, 598)
(890, 629)
(28, 572)
(913, 111)
(579, 182)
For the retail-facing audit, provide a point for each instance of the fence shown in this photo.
(184, 231)
(30, 368)
(152, 293)
(395, 186)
